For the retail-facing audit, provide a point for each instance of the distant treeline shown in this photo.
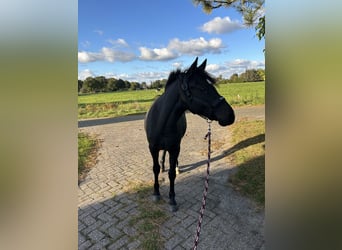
(102, 84)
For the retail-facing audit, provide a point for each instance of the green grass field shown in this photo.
(136, 102)
(116, 103)
(241, 94)
(120, 97)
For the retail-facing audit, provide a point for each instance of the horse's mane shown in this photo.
(172, 77)
(174, 74)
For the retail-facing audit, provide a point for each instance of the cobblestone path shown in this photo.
(231, 221)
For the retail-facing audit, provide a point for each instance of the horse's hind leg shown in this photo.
(177, 168)
(172, 176)
(156, 170)
(163, 161)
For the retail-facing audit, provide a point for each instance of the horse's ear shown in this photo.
(202, 66)
(193, 65)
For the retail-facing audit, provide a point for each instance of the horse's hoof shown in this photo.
(173, 205)
(173, 208)
(156, 198)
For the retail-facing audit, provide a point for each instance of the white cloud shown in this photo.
(112, 55)
(100, 32)
(150, 76)
(220, 25)
(118, 42)
(85, 73)
(140, 76)
(225, 69)
(235, 66)
(176, 48)
(197, 46)
(85, 57)
(177, 65)
(246, 64)
(106, 54)
(240, 65)
(85, 44)
(213, 68)
(162, 54)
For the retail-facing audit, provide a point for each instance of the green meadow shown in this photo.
(124, 103)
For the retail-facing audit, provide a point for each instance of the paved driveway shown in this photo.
(231, 221)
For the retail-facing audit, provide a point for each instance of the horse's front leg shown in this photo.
(156, 170)
(173, 154)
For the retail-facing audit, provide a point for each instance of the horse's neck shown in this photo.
(172, 107)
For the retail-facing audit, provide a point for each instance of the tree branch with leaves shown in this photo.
(253, 11)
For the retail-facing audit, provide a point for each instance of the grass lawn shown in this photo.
(150, 216)
(139, 101)
(249, 157)
(87, 152)
(241, 94)
(115, 104)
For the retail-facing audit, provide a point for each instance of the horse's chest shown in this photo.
(169, 138)
(168, 142)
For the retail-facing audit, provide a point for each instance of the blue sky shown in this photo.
(144, 40)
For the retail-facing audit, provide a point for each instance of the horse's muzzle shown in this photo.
(225, 114)
(226, 122)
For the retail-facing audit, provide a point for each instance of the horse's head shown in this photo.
(201, 97)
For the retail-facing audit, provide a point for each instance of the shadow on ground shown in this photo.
(231, 221)
(104, 121)
(243, 144)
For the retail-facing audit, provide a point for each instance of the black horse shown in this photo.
(165, 122)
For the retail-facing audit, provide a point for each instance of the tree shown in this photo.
(134, 86)
(80, 83)
(262, 75)
(121, 84)
(157, 84)
(111, 84)
(96, 84)
(234, 78)
(163, 83)
(127, 85)
(87, 85)
(250, 75)
(99, 84)
(144, 85)
(251, 10)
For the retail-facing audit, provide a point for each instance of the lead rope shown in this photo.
(206, 186)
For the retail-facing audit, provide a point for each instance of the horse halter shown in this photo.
(189, 99)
